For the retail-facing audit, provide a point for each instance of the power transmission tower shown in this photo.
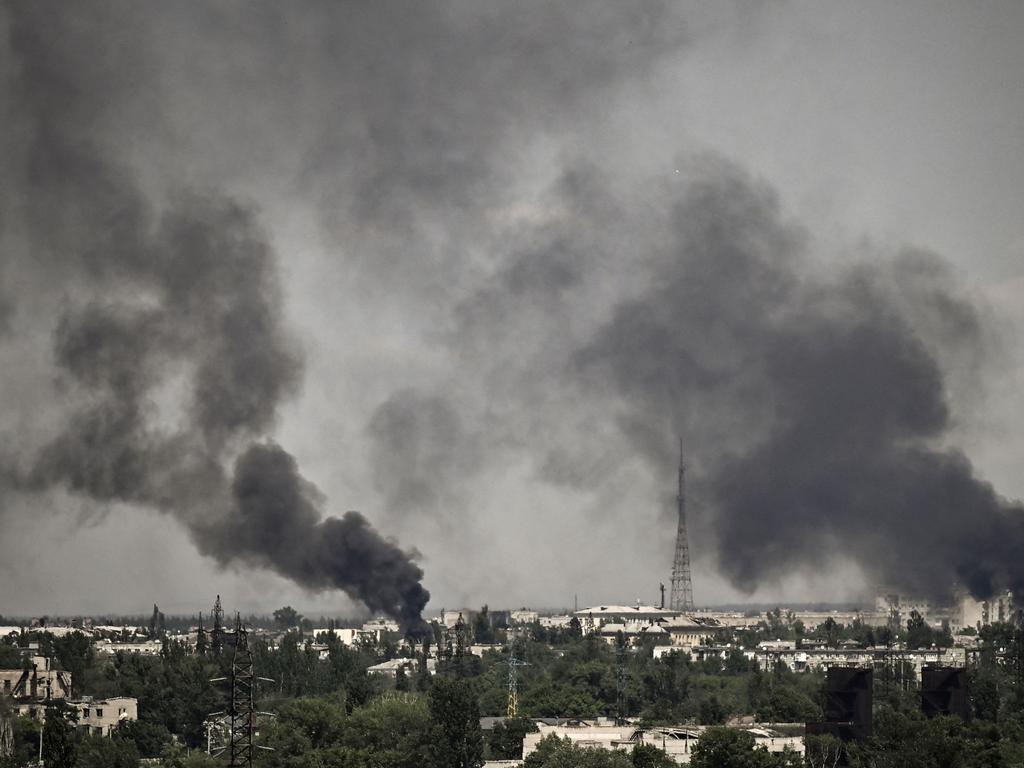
(682, 586)
(239, 718)
(202, 645)
(513, 683)
(242, 705)
(217, 634)
(620, 684)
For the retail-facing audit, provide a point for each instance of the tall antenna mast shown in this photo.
(682, 586)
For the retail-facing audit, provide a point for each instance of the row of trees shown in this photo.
(776, 625)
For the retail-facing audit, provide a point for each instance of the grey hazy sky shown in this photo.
(461, 196)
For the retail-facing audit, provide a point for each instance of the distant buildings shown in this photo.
(962, 613)
(523, 616)
(389, 669)
(969, 612)
(676, 741)
(144, 647)
(95, 716)
(638, 622)
(821, 659)
(36, 681)
(31, 687)
(101, 716)
(372, 631)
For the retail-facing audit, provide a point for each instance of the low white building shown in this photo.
(820, 659)
(390, 668)
(95, 716)
(522, 616)
(101, 716)
(676, 741)
(380, 626)
(593, 618)
(686, 632)
(969, 612)
(143, 647)
(346, 635)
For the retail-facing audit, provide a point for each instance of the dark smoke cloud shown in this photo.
(528, 309)
(186, 307)
(276, 523)
(816, 404)
(420, 452)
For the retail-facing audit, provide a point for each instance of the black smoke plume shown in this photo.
(818, 406)
(171, 344)
(551, 318)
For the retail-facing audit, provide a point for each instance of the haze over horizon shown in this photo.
(505, 260)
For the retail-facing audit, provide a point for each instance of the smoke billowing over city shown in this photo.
(475, 272)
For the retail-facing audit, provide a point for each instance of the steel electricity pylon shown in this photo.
(513, 683)
(238, 722)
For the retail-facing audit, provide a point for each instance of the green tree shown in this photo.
(919, 634)
(734, 748)
(506, 738)
(147, 737)
(287, 617)
(649, 756)
(787, 705)
(455, 712)
(391, 732)
(176, 756)
(100, 752)
(822, 751)
(10, 656)
(59, 735)
(832, 631)
(553, 752)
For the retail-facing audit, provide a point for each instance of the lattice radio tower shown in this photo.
(682, 586)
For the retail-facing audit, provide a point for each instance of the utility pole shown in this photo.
(682, 585)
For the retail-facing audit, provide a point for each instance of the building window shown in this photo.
(7, 686)
(99, 712)
(85, 712)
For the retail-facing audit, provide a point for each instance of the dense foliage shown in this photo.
(331, 713)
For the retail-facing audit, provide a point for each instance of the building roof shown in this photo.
(626, 610)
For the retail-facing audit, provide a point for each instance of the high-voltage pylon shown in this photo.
(239, 719)
(682, 587)
(513, 683)
(242, 704)
(620, 683)
(217, 635)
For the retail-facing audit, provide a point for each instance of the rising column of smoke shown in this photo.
(827, 396)
(193, 299)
